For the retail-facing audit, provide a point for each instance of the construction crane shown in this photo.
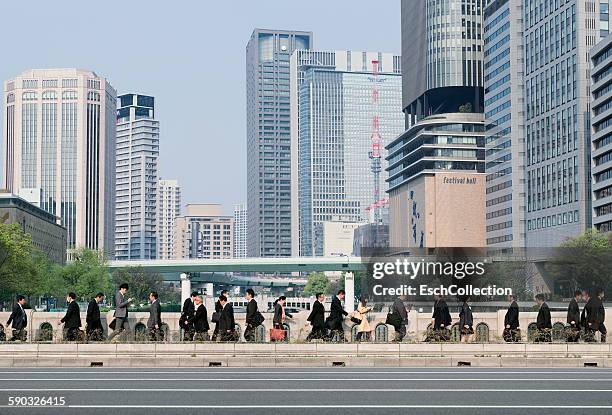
(375, 153)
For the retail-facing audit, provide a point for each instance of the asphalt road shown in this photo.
(454, 391)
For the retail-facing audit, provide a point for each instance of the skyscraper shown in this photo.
(240, 231)
(331, 125)
(269, 140)
(59, 137)
(437, 164)
(557, 37)
(168, 208)
(203, 232)
(137, 154)
(505, 119)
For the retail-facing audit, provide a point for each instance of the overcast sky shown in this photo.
(190, 56)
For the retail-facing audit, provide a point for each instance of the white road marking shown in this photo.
(193, 379)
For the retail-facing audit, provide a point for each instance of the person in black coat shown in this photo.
(217, 313)
(94, 329)
(186, 315)
(155, 321)
(252, 320)
(586, 296)
(19, 320)
(227, 324)
(317, 319)
(336, 316)
(511, 331)
(543, 322)
(573, 318)
(72, 319)
(199, 321)
(595, 314)
(441, 319)
(466, 321)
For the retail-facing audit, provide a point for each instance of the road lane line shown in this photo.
(192, 379)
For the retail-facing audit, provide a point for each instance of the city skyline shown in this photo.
(197, 109)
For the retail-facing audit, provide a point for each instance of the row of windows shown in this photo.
(498, 174)
(498, 213)
(499, 239)
(553, 220)
(498, 226)
(499, 187)
(552, 185)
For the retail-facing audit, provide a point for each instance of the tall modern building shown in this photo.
(240, 231)
(601, 130)
(168, 208)
(59, 139)
(269, 140)
(504, 100)
(137, 155)
(437, 164)
(557, 40)
(333, 112)
(203, 232)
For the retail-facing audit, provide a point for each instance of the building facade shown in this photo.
(137, 177)
(203, 232)
(168, 208)
(601, 134)
(240, 231)
(505, 122)
(59, 137)
(47, 234)
(557, 39)
(331, 126)
(269, 140)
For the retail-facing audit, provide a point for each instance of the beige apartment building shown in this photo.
(203, 232)
(59, 144)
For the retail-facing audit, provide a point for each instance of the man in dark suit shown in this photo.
(252, 316)
(72, 319)
(154, 323)
(19, 319)
(199, 321)
(543, 322)
(186, 315)
(399, 308)
(94, 329)
(336, 316)
(441, 319)
(121, 310)
(218, 310)
(573, 318)
(511, 322)
(317, 319)
(595, 315)
(227, 325)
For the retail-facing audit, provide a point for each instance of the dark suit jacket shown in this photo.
(278, 314)
(465, 316)
(72, 319)
(336, 311)
(188, 308)
(573, 313)
(543, 321)
(251, 310)
(317, 316)
(400, 308)
(93, 315)
(594, 313)
(226, 321)
(154, 315)
(18, 317)
(441, 315)
(512, 316)
(200, 319)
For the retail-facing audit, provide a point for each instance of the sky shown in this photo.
(190, 55)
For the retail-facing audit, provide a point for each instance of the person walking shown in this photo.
(94, 329)
(399, 318)
(280, 315)
(19, 320)
(72, 319)
(441, 319)
(364, 330)
(154, 323)
(573, 318)
(186, 314)
(466, 321)
(511, 333)
(227, 324)
(217, 314)
(317, 319)
(253, 317)
(119, 324)
(543, 322)
(595, 314)
(199, 321)
(336, 317)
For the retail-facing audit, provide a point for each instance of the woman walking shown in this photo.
(364, 329)
(466, 321)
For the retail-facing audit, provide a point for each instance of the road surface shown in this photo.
(463, 390)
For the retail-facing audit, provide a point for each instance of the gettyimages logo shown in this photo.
(412, 269)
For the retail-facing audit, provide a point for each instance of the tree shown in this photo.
(317, 283)
(141, 282)
(18, 273)
(87, 274)
(467, 107)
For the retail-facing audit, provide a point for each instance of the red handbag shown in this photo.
(277, 335)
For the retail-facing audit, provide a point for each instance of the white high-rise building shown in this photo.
(240, 230)
(137, 155)
(59, 137)
(168, 208)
